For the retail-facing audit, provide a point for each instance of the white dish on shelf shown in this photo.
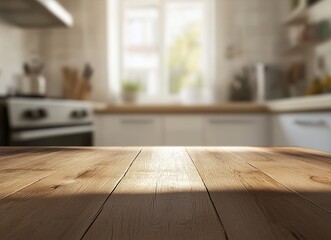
(298, 15)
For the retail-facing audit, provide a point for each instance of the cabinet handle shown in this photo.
(311, 123)
(137, 121)
(229, 121)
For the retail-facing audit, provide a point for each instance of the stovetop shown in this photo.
(41, 112)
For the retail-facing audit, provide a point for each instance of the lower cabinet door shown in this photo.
(308, 130)
(128, 130)
(236, 130)
(183, 130)
(106, 130)
(139, 130)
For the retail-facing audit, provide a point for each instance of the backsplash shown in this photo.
(15, 47)
(85, 42)
(248, 32)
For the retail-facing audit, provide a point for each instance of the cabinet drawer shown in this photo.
(105, 130)
(236, 130)
(139, 130)
(309, 130)
(129, 130)
(183, 130)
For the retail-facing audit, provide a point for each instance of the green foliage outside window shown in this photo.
(184, 60)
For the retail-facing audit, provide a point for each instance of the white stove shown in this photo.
(45, 122)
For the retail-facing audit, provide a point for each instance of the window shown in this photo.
(141, 50)
(184, 45)
(163, 45)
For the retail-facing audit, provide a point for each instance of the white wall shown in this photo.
(15, 47)
(320, 12)
(251, 26)
(85, 42)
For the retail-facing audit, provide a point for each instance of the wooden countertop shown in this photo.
(164, 193)
(290, 105)
(182, 109)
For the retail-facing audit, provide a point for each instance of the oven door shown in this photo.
(61, 136)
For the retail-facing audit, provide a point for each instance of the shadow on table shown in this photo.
(49, 213)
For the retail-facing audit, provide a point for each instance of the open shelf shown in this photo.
(304, 47)
(299, 49)
(298, 15)
(301, 14)
(296, 18)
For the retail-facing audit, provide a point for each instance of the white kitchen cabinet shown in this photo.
(236, 130)
(183, 130)
(309, 130)
(105, 130)
(139, 130)
(129, 130)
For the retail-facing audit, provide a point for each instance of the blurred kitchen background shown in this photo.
(165, 73)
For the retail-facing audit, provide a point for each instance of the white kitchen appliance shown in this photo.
(266, 81)
(45, 122)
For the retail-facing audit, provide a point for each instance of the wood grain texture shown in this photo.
(63, 205)
(13, 180)
(21, 167)
(13, 157)
(161, 197)
(295, 170)
(316, 158)
(254, 206)
(164, 193)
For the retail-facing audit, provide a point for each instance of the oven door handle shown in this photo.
(46, 133)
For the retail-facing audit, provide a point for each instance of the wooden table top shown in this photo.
(164, 193)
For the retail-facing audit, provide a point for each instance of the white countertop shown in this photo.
(301, 104)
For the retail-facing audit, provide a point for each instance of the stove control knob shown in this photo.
(28, 114)
(42, 113)
(35, 114)
(78, 114)
(75, 114)
(84, 113)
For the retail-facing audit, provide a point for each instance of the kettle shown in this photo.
(32, 83)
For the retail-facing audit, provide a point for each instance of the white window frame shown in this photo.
(116, 15)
